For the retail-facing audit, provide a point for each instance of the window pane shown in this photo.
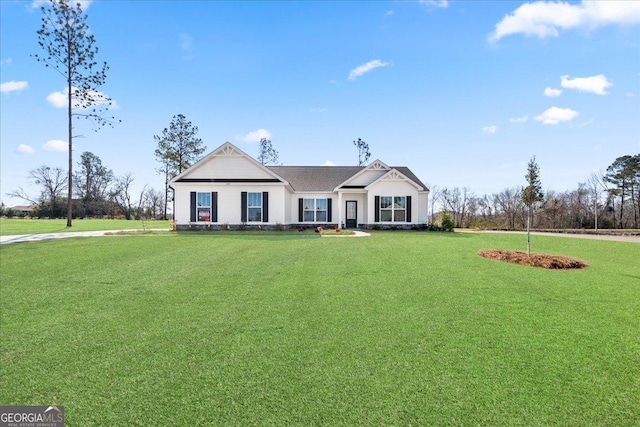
(254, 199)
(385, 215)
(255, 214)
(385, 202)
(204, 199)
(308, 216)
(398, 215)
(204, 214)
(308, 204)
(321, 216)
(321, 204)
(399, 202)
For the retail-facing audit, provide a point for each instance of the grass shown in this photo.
(400, 328)
(16, 226)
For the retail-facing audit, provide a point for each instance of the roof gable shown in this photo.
(227, 163)
(365, 176)
(396, 175)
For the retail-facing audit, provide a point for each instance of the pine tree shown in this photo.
(531, 194)
(69, 48)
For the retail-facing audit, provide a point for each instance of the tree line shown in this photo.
(609, 199)
(96, 190)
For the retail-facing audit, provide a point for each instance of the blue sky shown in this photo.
(462, 92)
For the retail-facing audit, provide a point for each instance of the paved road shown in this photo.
(612, 237)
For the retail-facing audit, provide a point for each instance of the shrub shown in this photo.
(447, 223)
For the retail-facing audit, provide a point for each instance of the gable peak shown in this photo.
(377, 165)
(228, 149)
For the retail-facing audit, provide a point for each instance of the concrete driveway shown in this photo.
(47, 236)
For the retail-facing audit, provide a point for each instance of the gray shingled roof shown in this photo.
(326, 178)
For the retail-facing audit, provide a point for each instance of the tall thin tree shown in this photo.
(69, 48)
(267, 155)
(363, 151)
(531, 194)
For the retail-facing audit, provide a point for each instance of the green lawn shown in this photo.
(400, 328)
(14, 226)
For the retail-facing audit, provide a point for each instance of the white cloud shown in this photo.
(56, 145)
(594, 84)
(25, 149)
(256, 135)
(553, 93)
(328, 163)
(519, 119)
(13, 86)
(365, 68)
(630, 94)
(7, 61)
(489, 129)
(555, 115)
(389, 13)
(546, 19)
(435, 3)
(59, 100)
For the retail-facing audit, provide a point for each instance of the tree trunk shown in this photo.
(70, 136)
(529, 232)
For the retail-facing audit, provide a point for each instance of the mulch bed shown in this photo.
(554, 262)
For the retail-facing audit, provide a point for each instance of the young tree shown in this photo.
(531, 194)
(69, 48)
(267, 155)
(178, 148)
(363, 151)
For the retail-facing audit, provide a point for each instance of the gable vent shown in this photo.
(228, 150)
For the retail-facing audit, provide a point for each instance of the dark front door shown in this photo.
(352, 214)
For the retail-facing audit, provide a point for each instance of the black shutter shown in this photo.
(376, 208)
(243, 206)
(265, 206)
(193, 207)
(408, 208)
(214, 206)
(329, 210)
(300, 210)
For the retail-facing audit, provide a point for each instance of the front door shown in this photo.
(352, 214)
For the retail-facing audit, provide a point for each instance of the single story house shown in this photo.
(230, 189)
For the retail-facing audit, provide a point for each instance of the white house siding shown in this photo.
(293, 206)
(367, 177)
(422, 208)
(395, 188)
(229, 202)
(230, 166)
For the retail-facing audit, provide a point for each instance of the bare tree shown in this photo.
(510, 203)
(70, 49)
(52, 182)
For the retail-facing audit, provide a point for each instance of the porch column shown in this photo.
(340, 209)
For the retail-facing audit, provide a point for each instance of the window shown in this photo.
(254, 207)
(203, 207)
(314, 210)
(393, 209)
